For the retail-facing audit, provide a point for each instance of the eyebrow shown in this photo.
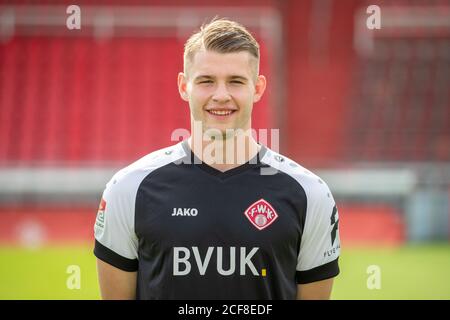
(233, 77)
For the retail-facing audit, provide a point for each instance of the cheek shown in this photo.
(244, 97)
(199, 96)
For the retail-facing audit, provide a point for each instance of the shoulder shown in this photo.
(315, 187)
(129, 177)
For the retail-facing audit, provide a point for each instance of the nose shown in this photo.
(221, 94)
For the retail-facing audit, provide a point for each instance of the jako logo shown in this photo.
(184, 212)
(181, 257)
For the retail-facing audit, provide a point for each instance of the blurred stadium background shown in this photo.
(368, 110)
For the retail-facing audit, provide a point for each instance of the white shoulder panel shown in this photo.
(114, 227)
(320, 241)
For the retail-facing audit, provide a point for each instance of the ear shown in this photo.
(182, 86)
(260, 87)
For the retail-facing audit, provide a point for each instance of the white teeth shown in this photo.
(221, 112)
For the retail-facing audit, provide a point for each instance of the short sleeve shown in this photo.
(115, 239)
(320, 242)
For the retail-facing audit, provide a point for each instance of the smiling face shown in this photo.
(221, 89)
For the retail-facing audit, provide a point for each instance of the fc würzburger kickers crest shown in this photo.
(261, 214)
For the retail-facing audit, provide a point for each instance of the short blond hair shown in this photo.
(222, 36)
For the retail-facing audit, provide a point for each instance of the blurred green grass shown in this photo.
(41, 273)
(409, 272)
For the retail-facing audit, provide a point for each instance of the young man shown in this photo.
(217, 216)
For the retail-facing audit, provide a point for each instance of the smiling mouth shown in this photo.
(221, 112)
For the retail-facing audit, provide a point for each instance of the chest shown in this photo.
(210, 213)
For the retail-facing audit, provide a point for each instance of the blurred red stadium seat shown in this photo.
(371, 224)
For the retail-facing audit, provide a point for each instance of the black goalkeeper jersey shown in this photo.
(194, 232)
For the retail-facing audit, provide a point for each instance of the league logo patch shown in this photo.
(261, 214)
(102, 205)
(100, 220)
(101, 213)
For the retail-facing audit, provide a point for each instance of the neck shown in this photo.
(225, 153)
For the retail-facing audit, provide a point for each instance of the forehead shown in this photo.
(221, 64)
